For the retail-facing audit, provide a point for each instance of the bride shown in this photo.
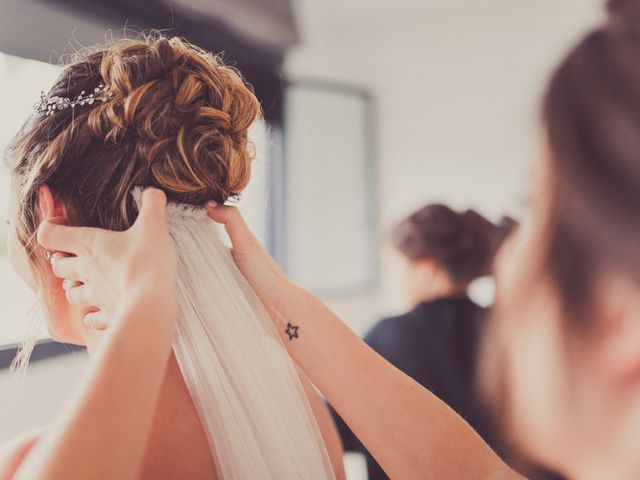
(227, 401)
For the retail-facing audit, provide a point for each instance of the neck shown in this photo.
(177, 446)
(441, 287)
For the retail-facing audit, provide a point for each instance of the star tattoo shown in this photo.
(292, 331)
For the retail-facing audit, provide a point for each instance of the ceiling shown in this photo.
(405, 12)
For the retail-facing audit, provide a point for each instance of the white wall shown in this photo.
(29, 406)
(457, 85)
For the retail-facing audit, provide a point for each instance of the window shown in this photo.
(330, 214)
(21, 82)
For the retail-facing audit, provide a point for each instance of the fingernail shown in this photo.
(47, 255)
(88, 320)
(94, 320)
(212, 204)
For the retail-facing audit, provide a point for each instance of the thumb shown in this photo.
(233, 223)
(153, 206)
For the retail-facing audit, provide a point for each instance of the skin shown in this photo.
(424, 280)
(74, 294)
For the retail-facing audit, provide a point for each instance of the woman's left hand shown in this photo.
(107, 271)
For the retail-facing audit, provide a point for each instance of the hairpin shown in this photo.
(51, 104)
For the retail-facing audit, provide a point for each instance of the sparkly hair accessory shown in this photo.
(52, 104)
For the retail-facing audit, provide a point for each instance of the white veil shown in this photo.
(242, 381)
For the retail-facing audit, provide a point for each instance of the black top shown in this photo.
(435, 344)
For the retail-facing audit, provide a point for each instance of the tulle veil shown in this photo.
(243, 383)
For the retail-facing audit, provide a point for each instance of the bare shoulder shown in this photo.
(13, 452)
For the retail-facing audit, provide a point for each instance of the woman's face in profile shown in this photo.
(531, 363)
(528, 325)
(555, 400)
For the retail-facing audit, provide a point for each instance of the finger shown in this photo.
(69, 284)
(153, 206)
(62, 238)
(233, 222)
(80, 296)
(96, 320)
(65, 266)
(220, 213)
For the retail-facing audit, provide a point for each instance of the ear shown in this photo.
(48, 206)
(426, 266)
(618, 333)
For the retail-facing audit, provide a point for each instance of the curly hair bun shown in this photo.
(188, 112)
(462, 243)
(176, 118)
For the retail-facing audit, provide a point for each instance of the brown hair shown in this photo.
(177, 119)
(463, 244)
(592, 117)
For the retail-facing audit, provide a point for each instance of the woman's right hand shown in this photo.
(106, 272)
(263, 274)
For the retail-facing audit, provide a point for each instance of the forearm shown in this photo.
(103, 430)
(411, 432)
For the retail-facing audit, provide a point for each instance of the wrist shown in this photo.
(292, 305)
(283, 293)
(152, 295)
(159, 310)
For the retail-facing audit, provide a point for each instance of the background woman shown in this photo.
(441, 252)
